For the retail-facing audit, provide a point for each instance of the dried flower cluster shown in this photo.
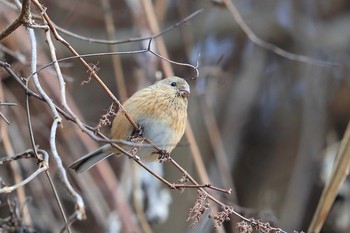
(200, 206)
(106, 118)
(183, 179)
(94, 69)
(137, 140)
(246, 226)
(223, 215)
(164, 156)
(264, 227)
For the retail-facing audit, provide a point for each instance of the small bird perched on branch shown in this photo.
(159, 110)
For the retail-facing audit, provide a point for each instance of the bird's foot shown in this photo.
(137, 133)
(164, 156)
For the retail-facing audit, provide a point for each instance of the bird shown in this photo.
(159, 110)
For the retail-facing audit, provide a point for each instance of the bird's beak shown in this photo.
(185, 92)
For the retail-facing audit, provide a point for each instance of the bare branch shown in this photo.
(174, 62)
(4, 118)
(43, 166)
(8, 104)
(136, 39)
(258, 41)
(23, 18)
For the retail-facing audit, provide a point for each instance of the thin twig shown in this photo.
(8, 104)
(181, 186)
(134, 52)
(174, 62)
(258, 41)
(23, 18)
(23, 182)
(4, 118)
(68, 223)
(2, 115)
(196, 183)
(136, 39)
(43, 166)
(15, 54)
(28, 154)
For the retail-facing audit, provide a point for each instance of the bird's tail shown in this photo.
(91, 159)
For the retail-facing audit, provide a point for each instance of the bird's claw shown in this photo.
(164, 156)
(137, 133)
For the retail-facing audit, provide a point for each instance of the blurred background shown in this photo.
(266, 126)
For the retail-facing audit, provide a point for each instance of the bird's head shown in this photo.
(176, 85)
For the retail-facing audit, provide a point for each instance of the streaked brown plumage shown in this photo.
(161, 112)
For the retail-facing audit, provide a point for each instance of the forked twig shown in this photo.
(23, 18)
(29, 154)
(136, 39)
(2, 115)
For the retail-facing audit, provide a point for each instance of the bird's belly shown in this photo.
(160, 132)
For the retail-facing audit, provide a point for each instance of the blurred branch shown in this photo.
(117, 65)
(28, 154)
(148, 49)
(136, 39)
(15, 168)
(18, 55)
(4, 118)
(258, 41)
(8, 104)
(219, 149)
(22, 19)
(339, 173)
(138, 202)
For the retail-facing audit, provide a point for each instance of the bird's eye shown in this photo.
(173, 84)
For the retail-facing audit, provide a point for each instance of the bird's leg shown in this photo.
(163, 156)
(137, 133)
(136, 137)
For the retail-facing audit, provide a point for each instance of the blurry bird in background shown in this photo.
(160, 111)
